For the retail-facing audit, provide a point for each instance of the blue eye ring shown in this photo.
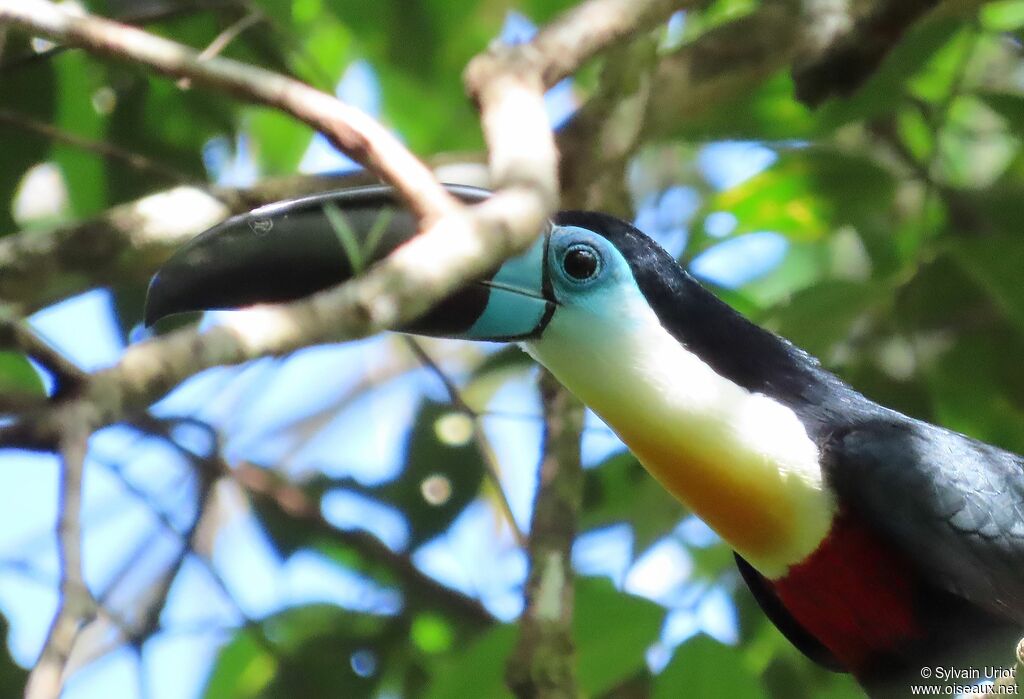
(581, 263)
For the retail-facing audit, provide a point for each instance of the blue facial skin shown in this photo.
(518, 306)
(574, 289)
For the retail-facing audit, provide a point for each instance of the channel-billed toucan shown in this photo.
(877, 543)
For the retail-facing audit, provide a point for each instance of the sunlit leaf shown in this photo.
(243, 669)
(302, 651)
(613, 631)
(1002, 16)
(706, 668)
(431, 633)
(477, 670)
(620, 490)
(972, 162)
(809, 193)
(18, 376)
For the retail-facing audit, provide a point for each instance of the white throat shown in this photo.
(741, 461)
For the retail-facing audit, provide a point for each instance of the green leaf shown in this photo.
(30, 91)
(12, 675)
(477, 670)
(620, 490)
(710, 562)
(1003, 16)
(973, 162)
(768, 110)
(994, 263)
(916, 134)
(326, 48)
(80, 81)
(442, 474)
(244, 668)
(1008, 105)
(921, 56)
(417, 49)
(431, 633)
(974, 392)
(807, 194)
(612, 631)
(821, 316)
(443, 120)
(278, 141)
(941, 296)
(17, 375)
(703, 667)
(304, 651)
(155, 118)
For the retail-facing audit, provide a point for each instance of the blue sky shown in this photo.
(251, 403)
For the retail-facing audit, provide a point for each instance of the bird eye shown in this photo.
(581, 262)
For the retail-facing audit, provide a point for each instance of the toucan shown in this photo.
(877, 543)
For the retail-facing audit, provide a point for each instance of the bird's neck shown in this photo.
(741, 460)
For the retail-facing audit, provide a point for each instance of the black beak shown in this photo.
(288, 250)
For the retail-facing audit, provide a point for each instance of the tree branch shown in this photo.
(603, 135)
(543, 662)
(351, 130)
(508, 87)
(127, 243)
(17, 335)
(815, 37)
(686, 85)
(724, 63)
(76, 604)
(849, 47)
(513, 79)
(461, 244)
(111, 152)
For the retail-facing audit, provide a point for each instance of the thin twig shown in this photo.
(492, 466)
(291, 501)
(135, 161)
(148, 14)
(253, 17)
(76, 604)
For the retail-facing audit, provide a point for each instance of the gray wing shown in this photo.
(953, 505)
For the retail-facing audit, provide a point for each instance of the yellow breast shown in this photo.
(739, 460)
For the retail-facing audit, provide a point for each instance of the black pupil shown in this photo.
(580, 263)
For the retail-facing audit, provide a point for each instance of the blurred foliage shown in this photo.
(901, 207)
